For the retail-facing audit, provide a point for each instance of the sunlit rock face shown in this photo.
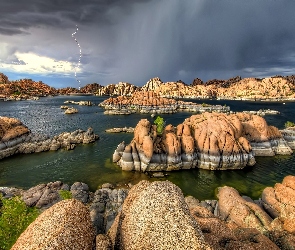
(65, 225)
(156, 216)
(211, 141)
(120, 89)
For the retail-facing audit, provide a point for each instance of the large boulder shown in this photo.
(279, 202)
(44, 196)
(219, 235)
(241, 212)
(66, 225)
(155, 216)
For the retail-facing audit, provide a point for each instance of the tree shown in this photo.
(160, 124)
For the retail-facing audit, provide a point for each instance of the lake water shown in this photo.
(93, 165)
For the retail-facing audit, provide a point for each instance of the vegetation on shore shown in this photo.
(65, 194)
(289, 124)
(15, 217)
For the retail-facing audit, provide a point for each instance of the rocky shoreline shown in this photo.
(156, 215)
(16, 138)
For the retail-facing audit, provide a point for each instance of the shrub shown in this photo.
(65, 194)
(160, 124)
(289, 124)
(15, 217)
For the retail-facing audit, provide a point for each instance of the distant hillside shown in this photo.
(276, 87)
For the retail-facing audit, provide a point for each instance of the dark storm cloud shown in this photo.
(135, 40)
(18, 14)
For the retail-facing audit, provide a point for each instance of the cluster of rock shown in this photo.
(289, 136)
(149, 102)
(263, 112)
(81, 103)
(24, 89)
(156, 215)
(120, 130)
(271, 88)
(212, 141)
(16, 138)
(120, 89)
(70, 110)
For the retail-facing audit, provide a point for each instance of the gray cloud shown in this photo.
(173, 39)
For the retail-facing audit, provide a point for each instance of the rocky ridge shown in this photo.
(274, 88)
(155, 215)
(271, 88)
(23, 89)
(16, 138)
(212, 141)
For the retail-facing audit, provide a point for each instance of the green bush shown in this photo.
(289, 124)
(65, 194)
(160, 124)
(15, 217)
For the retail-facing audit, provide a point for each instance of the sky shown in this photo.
(135, 40)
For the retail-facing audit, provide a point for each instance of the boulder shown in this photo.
(43, 196)
(79, 191)
(66, 225)
(279, 202)
(239, 212)
(155, 216)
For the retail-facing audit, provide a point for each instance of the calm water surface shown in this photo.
(93, 165)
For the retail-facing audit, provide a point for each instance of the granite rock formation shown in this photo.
(279, 203)
(272, 88)
(265, 140)
(44, 196)
(155, 216)
(120, 89)
(16, 138)
(151, 102)
(241, 212)
(272, 215)
(4, 79)
(220, 234)
(211, 141)
(104, 207)
(23, 89)
(65, 225)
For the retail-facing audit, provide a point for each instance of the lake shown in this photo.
(93, 165)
